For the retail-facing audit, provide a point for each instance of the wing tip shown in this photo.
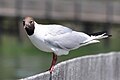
(105, 33)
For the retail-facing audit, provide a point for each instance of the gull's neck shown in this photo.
(36, 24)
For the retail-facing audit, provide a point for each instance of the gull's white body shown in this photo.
(60, 39)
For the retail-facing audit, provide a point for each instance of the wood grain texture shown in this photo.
(94, 67)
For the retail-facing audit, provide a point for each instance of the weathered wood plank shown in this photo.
(93, 67)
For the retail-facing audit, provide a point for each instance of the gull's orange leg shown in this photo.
(53, 63)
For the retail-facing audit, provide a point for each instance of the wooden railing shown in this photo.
(105, 66)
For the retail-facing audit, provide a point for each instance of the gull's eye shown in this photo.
(31, 22)
(23, 23)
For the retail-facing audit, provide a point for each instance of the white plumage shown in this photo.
(60, 39)
(57, 39)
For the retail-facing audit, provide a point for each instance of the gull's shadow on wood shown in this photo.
(50, 76)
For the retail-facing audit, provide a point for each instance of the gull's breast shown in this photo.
(40, 44)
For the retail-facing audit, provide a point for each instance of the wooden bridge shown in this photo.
(76, 11)
(83, 10)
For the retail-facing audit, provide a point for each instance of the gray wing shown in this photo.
(55, 30)
(67, 41)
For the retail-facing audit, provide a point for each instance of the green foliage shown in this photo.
(23, 59)
(11, 46)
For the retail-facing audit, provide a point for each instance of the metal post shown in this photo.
(88, 27)
(48, 10)
(77, 10)
(18, 5)
(109, 18)
(1, 29)
(18, 16)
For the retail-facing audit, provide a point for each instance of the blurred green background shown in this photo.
(19, 58)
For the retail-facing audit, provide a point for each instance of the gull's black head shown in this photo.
(29, 25)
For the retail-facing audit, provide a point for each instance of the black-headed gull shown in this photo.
(57, 39)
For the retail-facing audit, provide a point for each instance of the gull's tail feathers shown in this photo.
(100, 35)
(94, 38)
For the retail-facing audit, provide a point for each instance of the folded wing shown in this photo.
(67, 41)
